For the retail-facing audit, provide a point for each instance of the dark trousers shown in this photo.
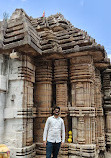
(52, 148)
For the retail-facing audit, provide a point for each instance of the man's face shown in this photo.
(56, 112)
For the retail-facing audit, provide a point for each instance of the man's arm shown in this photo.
(63, 133)
(45, 132)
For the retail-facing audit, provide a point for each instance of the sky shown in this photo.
(93, 16)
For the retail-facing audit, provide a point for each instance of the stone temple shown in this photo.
(46, 62)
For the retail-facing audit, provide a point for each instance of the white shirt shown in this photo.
(54, 127)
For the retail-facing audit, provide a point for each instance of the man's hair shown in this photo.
(55, 107)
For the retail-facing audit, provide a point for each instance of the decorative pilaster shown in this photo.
(19, 110)
(43, 97)
(61, 81)
(61, 78)
(107, 105)
(82, 110)
(100, 132)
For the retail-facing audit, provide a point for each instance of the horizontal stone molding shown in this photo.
(82, 111)
(88, 150)
(10, 113)
(40, 150)
(45, 112)
(25, 152)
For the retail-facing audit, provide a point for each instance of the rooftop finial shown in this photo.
(43, 14)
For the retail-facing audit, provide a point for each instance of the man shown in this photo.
(54, 127)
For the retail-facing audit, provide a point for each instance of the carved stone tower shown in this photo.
(46, 62)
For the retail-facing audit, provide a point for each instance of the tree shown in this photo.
(5, 16)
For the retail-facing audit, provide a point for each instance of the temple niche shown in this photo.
(46, 62)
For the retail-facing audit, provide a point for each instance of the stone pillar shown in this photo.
(82, 110)
(61, 79)
(107, 106)
(19, 110)
(43, 97)
(100, 132)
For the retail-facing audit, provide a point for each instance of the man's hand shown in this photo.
(62, 144)
(44, 144)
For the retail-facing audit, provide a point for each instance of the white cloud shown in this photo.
(109, 55)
